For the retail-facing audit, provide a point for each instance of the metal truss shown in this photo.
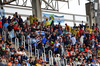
(49, 4)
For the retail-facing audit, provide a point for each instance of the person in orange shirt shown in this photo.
(10, 63)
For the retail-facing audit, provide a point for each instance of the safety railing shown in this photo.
(23, 41)
(16, 43)
(65, 61)
(29, 47)
(44, 55)
(4, 35)
(36, 52)
(57, 59)
(50, 58)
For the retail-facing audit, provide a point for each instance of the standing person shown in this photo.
(5, 25)
(73, 39)
(27, 21)
(0, 27)
(20, 21)
(9, 19)
(47, 23)
(89, 53)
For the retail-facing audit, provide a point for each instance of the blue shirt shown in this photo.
(5, 25)
(44, 40)
(28, 64)
(60, 31)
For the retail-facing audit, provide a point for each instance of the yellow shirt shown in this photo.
(68, 27)
(38, 64)
(47, 23)
(74, 32)
(32, 19)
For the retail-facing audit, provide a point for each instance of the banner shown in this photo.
(49, 16)
(58, 19)
(52, 17)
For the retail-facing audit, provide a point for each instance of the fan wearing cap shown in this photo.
(93, 64)
(27, 62)
(16, 63)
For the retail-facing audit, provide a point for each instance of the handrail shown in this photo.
(57, 59)
(4, 34)
(29, 47)
(23, 41)
(37, 53)
(16, 43)
(44, 55)
(50, 58)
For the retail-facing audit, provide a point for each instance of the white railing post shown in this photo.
(50, 58)
(11, 39)
(29, 47)
(16, 43)
(44, 55)
(4, 34)
(37, 53)
(58, 60)
(23, 41)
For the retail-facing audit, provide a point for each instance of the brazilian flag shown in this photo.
(51, 18)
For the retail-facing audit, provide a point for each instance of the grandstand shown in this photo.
(47, 37)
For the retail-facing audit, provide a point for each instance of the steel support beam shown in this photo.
(49, 5)
(36, 6)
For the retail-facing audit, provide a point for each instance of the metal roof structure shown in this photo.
(50, 6)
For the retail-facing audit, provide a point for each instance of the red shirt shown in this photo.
(0, 24)
(15, 27)
(55, 65)
(81, 31)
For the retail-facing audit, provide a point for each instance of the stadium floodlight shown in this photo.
(3, 2)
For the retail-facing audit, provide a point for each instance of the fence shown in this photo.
(50, 58)
(29, 47)
(4, 35)
(44, 55)
(16, 43)
(23, 41)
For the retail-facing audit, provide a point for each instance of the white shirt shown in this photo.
(24, 54)
(73, 39)
(27, 21)
(88, 54)
(97, 64)
(81, 39)
(19, 52)
(56, 44)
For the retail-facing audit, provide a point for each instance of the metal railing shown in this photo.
(50, 58)
(29, 47)
(16, 43)
(57, 59)
(4, 35)
(23, 41)
(44, 55)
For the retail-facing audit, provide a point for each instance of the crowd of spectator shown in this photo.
(80, 45)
